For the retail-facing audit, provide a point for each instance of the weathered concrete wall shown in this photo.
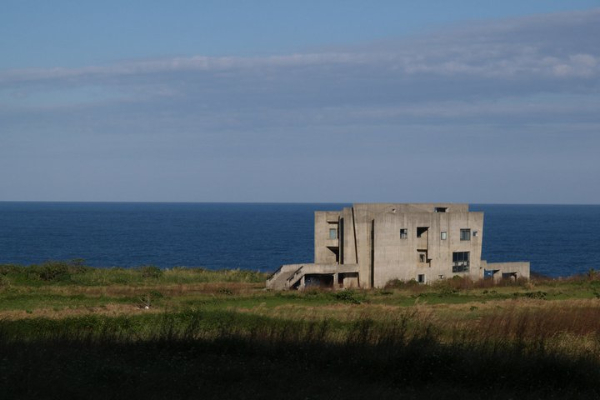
(429, 255)
(349, 280)
(368, 238)
(363, 216)
(348, 252)
(324, 221)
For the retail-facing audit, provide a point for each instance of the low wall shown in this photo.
(515, 269)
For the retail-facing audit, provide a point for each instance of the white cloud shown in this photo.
(507, 92)
(560, 45)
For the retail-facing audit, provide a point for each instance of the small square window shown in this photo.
(422, 257)
(465, 234)
(421, 278)
(332, 233)
(444, 235)
(475, 233)
(403, 233)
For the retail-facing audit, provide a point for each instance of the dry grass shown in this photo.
(175, 289)
(110, 310)
(249, 346)
(542, 320)
(225, 336)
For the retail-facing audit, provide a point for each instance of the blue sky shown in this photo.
(341, 101)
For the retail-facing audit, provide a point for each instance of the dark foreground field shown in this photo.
(199, 334)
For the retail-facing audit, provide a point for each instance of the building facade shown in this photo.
(368, 245)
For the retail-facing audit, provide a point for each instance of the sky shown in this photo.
(312, 101)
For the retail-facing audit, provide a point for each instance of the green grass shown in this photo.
(227, 354)
(16, 301)
(70, 331)
(59, 273)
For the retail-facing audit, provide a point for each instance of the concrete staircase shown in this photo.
(290, 276)
(278, 281)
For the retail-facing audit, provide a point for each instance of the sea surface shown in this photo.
(558, 240)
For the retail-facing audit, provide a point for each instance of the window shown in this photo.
(465, 234)
(489, 273)
(421, 231)
(422, 257)
(403, 233)
(421, 278)
(332, 233)
(460, 261)
(441, 209)
(475, 233)
(444, 235)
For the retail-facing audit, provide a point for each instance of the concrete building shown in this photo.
(368, 245)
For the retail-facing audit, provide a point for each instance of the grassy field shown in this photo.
(70, 331)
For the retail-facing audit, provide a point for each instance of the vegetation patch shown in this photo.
(349, 296)
(67, 330)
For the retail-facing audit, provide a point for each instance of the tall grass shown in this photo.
(229, 340)
(226, 354)
(76, 273)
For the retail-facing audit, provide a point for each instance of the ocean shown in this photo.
(558, 240)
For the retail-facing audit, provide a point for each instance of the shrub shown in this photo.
(400, 284)
(447, 290)
(51, 271)
(77, 266)
(150, 271)
(348, 296)
(8, 269)
(536, 295)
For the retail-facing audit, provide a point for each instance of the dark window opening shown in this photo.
(465, 234)
(348, 280)
(403, 233)
(460, 261)
(421, 278)
(421, 231)
(509, 275)
(441, 209)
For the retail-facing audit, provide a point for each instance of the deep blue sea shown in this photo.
(558, 240)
